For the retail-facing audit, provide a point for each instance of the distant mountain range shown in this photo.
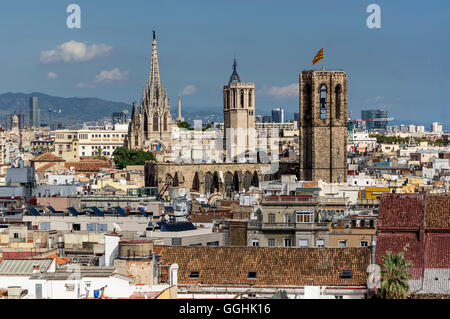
(73, 109)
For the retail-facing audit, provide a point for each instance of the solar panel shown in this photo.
(33, 211)
(51, 209)
(73, 211)
(346, 274)
(176, 226)
(97, 211)
(120, 211)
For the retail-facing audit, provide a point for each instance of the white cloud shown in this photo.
(74, 51)
(83, 85)
(52, 75)
(189, 89)
(282, 91)
(112, 75)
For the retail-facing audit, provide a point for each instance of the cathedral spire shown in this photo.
(234, 76)
(134, 113)
(154, 79)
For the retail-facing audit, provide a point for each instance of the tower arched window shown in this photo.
(307, 102)
(323, 102)
(250, 98)
(242, 98)
(165, 122)
(338, 99)
(155, 122)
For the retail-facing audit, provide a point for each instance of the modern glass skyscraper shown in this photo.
(35, 119)
(278, 115)
(375, 119)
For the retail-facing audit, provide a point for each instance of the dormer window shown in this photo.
(251, 275)
(194, 274)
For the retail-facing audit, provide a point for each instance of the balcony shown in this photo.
(277, 226)
(254, 224)
(287, 199)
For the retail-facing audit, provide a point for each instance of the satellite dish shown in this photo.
(116, 227)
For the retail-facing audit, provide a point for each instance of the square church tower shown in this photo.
(323, 125)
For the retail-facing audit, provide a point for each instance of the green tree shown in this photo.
(394, 278)
(124, 156)
(185, 125)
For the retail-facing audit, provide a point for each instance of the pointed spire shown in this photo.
(134, 113)
(234, 76)
(154, 77)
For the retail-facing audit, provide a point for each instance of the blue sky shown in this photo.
(402, 67)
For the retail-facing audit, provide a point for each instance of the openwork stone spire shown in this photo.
(154, 79)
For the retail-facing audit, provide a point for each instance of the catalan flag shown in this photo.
(318, 57)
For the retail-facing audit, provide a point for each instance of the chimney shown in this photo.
(111, 248)
(36, 269)
(61, 245)
(173, 275)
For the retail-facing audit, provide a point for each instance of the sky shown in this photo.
(402, 67)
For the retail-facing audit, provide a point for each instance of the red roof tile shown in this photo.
(400, 210)
(274, 266)
(437, 211)
(47, 157)
(437, 251)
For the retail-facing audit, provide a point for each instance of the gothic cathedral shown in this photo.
(150, 128)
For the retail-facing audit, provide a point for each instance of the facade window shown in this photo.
(364, 243)
(305, 217)
(271, 218)
(303, 243)
(320, 243)
(45, 226)
(91, 227)
(271, 242)
(102, 227)
(287, 218)
(287, 242)
(342, 243)
(255, 242)
(212, 243)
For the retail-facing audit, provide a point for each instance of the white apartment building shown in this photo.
(90, 140)
(436, 128)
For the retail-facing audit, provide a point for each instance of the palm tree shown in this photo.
(394, 283)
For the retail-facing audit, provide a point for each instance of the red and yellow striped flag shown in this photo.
(318, 57)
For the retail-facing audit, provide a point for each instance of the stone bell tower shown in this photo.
(323, 125)
(239, 116)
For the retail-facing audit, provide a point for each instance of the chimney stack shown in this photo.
(61, 245)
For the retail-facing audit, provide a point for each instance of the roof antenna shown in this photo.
(154, 35)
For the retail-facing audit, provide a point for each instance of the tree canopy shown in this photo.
(124, 156)
(394, 283)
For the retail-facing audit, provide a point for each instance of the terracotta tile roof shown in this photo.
(60, 260)
(18, 254)
(437, 250)
(274, 266)
(400, 210)
(45, 167)
(437, 210)
(47, 157)
(407, 243)
(93, 166)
